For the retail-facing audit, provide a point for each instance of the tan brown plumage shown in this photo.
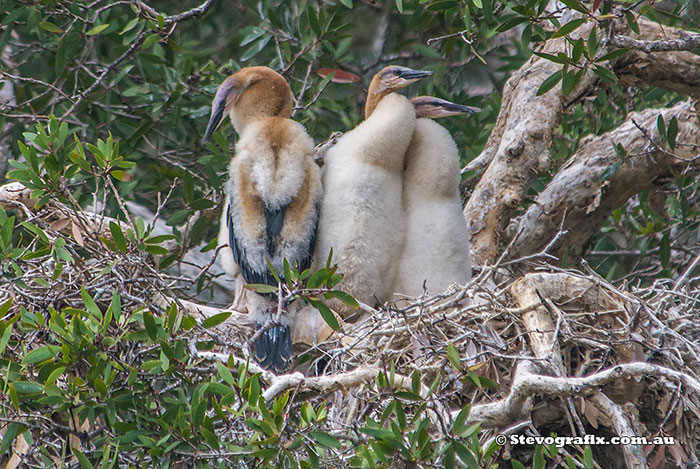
(272, 197)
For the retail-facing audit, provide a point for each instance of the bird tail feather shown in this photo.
(273, 349)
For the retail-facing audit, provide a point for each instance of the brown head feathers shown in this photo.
(250, 94)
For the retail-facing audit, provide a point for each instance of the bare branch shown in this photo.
(686, 42)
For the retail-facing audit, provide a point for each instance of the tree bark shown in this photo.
(598, 179)
(518, 148)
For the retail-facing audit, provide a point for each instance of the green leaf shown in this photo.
(159, 239)
(576, 5)
(157, 250)
(612, 55)
(41, 353)
(453, 356)
(27, 387)
(578, 50)
(665, 250)
(10, 434)
(325, 440)
(347, 3)
(117, 236)
(261, 288)
(150, 40)
(50, 27)
(661, 126)
(560, 58)
(55, 374)
(342, 296)
(632, 21)
(255, 48)
(120, 175)
(225, 373)
(150, 324)
(399, 6)
(84, 461)
(549, 83)
(570, 81)
(568, 28)
(588, 456)
(313, 20)
(477, 4)
(254, 394)
(672, 133)
(511, 23)
(538, 459)
(318, 279)
(90, 304)
(97, 30)
(215, 320)
(593, 42)
(326, 314)
(605, 74)
(130, 25)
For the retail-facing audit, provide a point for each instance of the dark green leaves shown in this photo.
(672, 133)
(605, 74)
(258, 46)
(325, 440)
(511, 23)
(50, 27)
(327, 314)
(40, 354)
(569, 28)
(118, 236)
(550, 82)
(150, 324)
(215, 320)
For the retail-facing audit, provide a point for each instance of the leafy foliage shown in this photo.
(94, 368)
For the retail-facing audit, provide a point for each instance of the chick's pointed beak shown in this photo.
(398, 77)
(217, 116)
(411, 75)
(429, 106)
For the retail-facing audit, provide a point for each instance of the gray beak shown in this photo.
(217, 115)
(409, 74)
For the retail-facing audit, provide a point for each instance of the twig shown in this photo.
(688, 41)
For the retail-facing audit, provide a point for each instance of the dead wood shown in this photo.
(517, 149)
(599, 178)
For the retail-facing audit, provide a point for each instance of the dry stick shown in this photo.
(633, 454)
(685, 274)
(193, 13)
(36, 82)
(134, 46)
(527, 384)
(688, 41)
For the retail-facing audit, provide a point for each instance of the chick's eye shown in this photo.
(397, 72)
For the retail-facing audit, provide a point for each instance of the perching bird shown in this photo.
(436, 243)
(272, 195)
(361, 212)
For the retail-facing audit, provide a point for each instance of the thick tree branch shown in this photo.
(598, 179)
(687, 41)
(527, 384)
(517, 149)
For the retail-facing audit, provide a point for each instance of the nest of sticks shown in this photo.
(551, 351)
